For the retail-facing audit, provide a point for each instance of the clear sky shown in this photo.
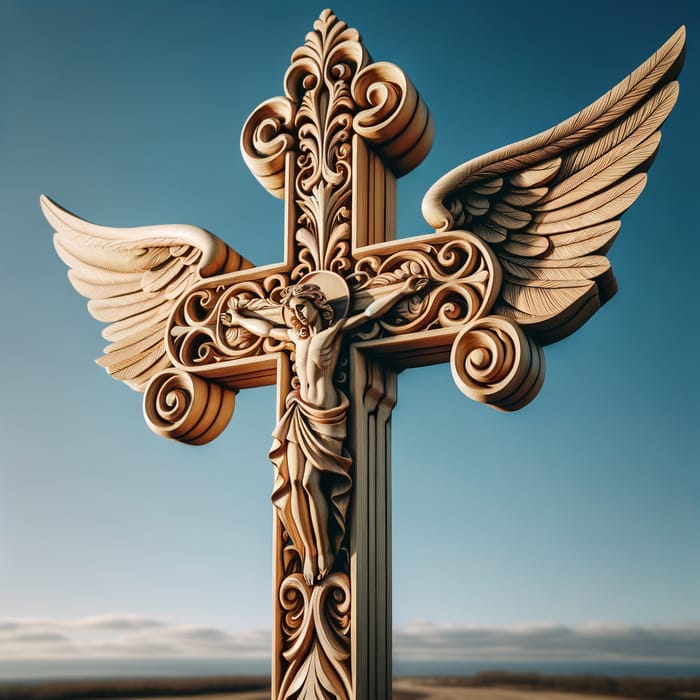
(570, 528)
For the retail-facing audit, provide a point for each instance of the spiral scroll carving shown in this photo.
(393, 117)
(494, 362)
(185, 407)
(316, 632)
(265, 141)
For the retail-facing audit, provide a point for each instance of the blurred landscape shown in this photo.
(489, 685)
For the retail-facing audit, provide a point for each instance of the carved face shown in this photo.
(304, 310)
(309, 308)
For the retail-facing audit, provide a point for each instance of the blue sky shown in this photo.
(580, 512)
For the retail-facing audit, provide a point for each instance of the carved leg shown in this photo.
(319, 518)
(300, 511)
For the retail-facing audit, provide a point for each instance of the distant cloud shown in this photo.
(124, 636)
(36, 637)
(118, 622)
(551, 643)
(206, 635)
(132, 637)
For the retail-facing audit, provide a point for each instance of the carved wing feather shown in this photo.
(133, 278)
(550, 205)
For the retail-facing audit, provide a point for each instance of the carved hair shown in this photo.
(313, 293)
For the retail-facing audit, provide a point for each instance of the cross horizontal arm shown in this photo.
(462, 280)
(492, 359)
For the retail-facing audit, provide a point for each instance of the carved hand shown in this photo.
(229, 318)
(233, 315)
(414, 283)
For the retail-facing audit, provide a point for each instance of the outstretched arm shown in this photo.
(256, 326)
(411, 285)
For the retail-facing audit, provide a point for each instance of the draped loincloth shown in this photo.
(319, 435)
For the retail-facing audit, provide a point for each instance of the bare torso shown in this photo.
(317, 354)
(316, 357)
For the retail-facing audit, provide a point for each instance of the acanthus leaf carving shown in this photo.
(316, 622)
(318, 81)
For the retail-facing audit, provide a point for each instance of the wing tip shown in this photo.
(679, 34)
(675, 48)
(61, 219)
(49, 208)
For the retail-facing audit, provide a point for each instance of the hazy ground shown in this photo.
(495, 685)
(421, 690)
(246, 695)
(410, 689)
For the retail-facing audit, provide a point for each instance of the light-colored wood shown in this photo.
(550, 205)
(375, 387)
(185, 407)
(517, 261)
(134, 278)
(312, 483)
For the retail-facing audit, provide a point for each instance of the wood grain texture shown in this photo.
(134, 278)
(559, 195)
(518, 260)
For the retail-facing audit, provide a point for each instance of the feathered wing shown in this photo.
(133, 278)
(550, 205)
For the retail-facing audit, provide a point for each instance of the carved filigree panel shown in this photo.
(198, 332)
(318, 82)
(463, 280)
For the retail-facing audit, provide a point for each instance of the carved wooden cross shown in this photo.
(516, 261)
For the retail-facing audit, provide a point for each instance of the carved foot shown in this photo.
(325, 562)
(309, 570)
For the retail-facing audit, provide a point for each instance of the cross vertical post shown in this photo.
(340, 196)
(332, 148)
(375, 386)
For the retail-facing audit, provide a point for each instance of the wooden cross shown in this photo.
(515, 262)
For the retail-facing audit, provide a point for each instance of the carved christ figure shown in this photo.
(312, 481)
